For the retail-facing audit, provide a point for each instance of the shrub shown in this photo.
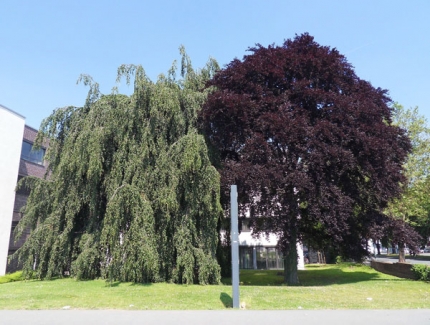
(17, 276)
(422, 272)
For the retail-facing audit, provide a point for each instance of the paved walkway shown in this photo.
(409, 259)
(227, 317)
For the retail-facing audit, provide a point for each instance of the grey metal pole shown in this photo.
(234, 246)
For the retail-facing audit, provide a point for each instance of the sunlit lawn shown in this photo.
(321, 287)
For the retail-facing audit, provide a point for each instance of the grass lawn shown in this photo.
(322, 287)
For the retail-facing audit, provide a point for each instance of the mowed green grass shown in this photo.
(321, 287)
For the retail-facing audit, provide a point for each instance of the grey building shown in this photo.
(31, 164)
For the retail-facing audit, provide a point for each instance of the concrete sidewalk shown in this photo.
(225, 317)
(409, 259)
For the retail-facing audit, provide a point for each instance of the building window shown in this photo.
(244, 225)
(272, 260)
(35, 156)
(261, 258)
(246, 258)
(264, 258)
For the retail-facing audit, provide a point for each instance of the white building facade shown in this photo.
(261, 252)
(11, 134)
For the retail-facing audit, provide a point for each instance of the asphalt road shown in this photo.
(224, 317)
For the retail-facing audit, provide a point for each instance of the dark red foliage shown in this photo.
(309, 144)
(398, 232)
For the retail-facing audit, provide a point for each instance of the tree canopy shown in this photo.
(310, 145)
(131, 193)
(415, 199)
(413, 206)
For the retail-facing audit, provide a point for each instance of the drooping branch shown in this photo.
(132, 194)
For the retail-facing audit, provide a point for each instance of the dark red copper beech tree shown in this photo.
(310, 145)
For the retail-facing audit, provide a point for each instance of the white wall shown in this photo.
(11, 133)
(246, 239)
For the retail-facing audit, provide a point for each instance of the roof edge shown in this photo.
(11, 111)
(32, 128)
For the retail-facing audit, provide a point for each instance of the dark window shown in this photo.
(272, 261)
(261, 258)
(280, 258)
(35, 156)
(246, 258)
(269, 258)
(244, 225)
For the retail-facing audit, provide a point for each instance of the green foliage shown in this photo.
(413, 206)
(414, 200)
(16, 276)
(132, 194)
(421, 271)
(339, 259)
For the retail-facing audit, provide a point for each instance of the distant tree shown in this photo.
(413, 206)
(310, 145)
(132, 195)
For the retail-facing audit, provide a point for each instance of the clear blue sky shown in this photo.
(45, 45)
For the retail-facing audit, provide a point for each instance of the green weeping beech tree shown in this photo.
(131, 193)
(310, 145)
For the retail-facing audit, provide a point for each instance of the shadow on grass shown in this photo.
(226, 300)
(146, 284)
(112, 284)
(326, 277)
(314, 275)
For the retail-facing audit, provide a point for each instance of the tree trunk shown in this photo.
(402, 258)
(290, 263)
